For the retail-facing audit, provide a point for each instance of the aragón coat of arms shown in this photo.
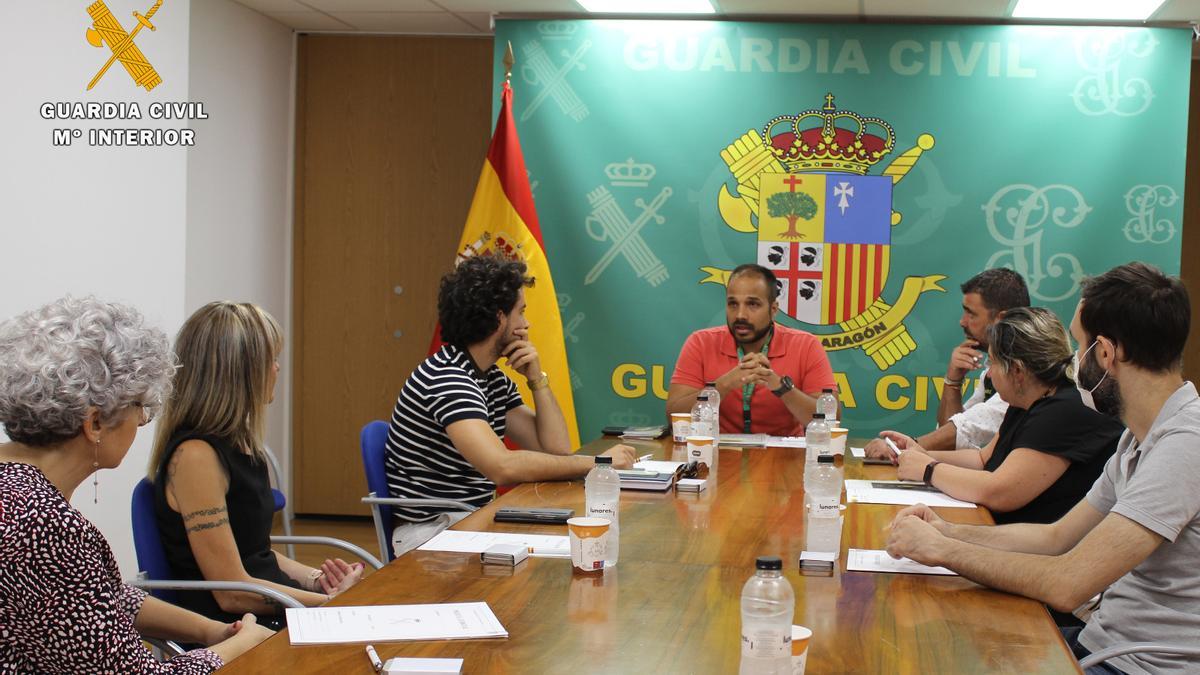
(824, 226)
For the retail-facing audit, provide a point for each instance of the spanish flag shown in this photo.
(503, 221)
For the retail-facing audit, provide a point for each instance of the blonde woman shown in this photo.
(1050, 447)
(213, 497)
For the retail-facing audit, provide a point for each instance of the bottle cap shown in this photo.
(768, 562)
(827, 391)
(601, 459)
(712, 383)
(821, 459)
(819, 416)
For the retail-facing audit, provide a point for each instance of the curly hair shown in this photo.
(61, 360)
(472, 297)
(1000, 288)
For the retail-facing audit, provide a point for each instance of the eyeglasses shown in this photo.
(146, 415)
(692, 470)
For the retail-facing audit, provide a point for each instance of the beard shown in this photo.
(1107, 396)
(754, 337)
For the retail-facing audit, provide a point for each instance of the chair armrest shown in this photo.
(405, 501)
(1134, 648)
(329, 541)
(282, 598)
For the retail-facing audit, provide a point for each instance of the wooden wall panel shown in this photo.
(391, 135)
(1190, 264)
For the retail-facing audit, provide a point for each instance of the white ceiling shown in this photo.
(473, 17)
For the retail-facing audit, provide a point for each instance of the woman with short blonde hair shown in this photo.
(213, 499)
(1050, 447)
(77, 379)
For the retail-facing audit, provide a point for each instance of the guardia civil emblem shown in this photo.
(824, 226)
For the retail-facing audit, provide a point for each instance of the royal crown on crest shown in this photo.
(828, 139)
(557, 30)
(629, 173)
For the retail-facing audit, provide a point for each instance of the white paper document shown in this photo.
(866, 560)
(657, 466)
(392, 623)
(743, 440)
(463, 541)
(786, 442)
(864, 492)
(860, 453)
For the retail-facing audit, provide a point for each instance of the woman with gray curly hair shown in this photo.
(77, 379)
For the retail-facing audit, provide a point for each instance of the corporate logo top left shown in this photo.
(107, 31)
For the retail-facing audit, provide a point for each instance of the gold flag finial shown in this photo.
(508, 62)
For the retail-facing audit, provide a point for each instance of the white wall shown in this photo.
(118, 222)
(239, 183)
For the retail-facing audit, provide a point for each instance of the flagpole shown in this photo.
(508, 63)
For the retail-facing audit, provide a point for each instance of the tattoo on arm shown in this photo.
(207, 526)
(204, 512)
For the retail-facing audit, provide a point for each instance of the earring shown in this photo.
(96, 475)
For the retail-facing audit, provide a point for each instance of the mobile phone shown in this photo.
(877, 460)
(511, 514)
(613, 431)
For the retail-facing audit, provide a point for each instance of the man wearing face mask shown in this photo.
(971, 422)
(1136, 536)
(446, 430)
(768, 375)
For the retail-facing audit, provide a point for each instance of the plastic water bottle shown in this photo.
(825, 499)
(816, 437)
(714, 396)
(768, 605)
(602, 494)
(827, 404)
(704, 417)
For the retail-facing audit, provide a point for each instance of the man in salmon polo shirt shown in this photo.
(779, 371)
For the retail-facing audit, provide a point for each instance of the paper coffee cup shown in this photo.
(837, 440)
(700, 449)
(800, 639)
(681, 426)
(589, 542)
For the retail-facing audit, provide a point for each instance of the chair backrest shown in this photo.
(373, 440)
(151, 557)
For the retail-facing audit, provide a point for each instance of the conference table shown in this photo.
(672, 603)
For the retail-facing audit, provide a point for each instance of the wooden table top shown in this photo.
(672, 604)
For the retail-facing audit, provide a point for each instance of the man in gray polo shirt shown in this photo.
(1136, 536)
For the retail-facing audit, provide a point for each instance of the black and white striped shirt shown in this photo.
(421, 461)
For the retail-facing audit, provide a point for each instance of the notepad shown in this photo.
(463, 541)
(786, 442)
(864, 492)
(866, 560)
(392, 623)
(743, 440)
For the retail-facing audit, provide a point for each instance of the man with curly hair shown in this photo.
(446, 430)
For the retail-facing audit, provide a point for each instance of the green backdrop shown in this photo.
(1057, 151)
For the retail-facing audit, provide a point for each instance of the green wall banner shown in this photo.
(874, 167)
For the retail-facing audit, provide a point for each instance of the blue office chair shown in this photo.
(155, 572)
(373, 441)
(281, 503)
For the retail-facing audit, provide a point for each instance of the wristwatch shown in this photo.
(540, 383)
(785, 385)
(929, 472)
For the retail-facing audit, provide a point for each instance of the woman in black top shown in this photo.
(1050, 447)
(213, 497)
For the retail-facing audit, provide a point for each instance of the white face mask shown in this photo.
(1086, 394)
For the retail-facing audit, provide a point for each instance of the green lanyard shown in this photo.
(748, 388)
